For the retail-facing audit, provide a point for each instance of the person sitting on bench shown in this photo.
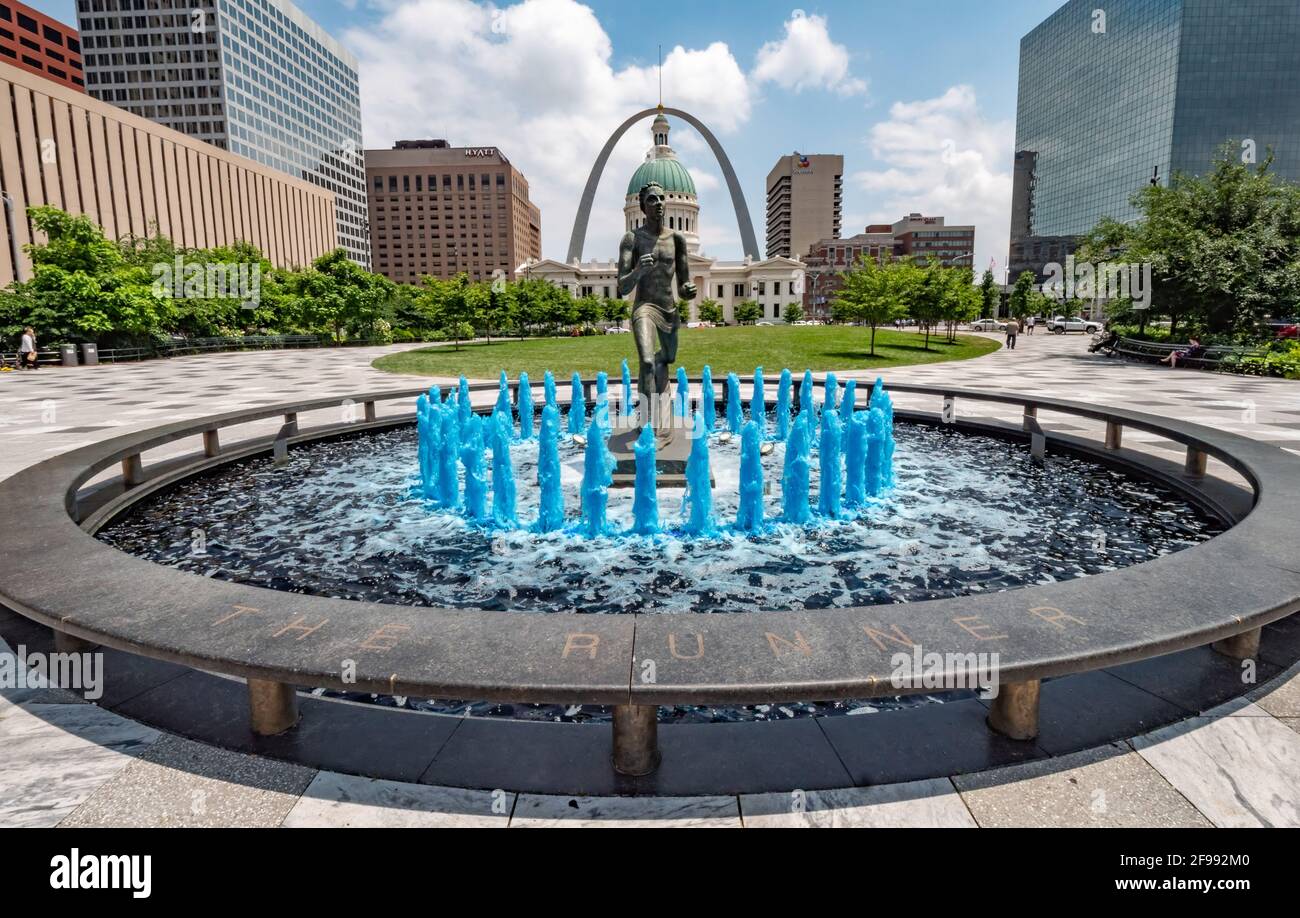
(1193, 351)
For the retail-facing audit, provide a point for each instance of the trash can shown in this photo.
(69, 352)
(90, 355)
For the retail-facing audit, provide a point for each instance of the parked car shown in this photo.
(617, 330)
(987, 325)
(1060, 325)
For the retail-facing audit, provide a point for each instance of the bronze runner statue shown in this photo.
(648, 259)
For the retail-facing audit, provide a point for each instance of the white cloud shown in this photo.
(941, 156)
(806, 58)
(535, 80)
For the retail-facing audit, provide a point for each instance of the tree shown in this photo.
(1224, 247)
(616, 311)
(793, 312)
(1021, 304)
(451, 306)
(869, 293)
(747, 312)
(710, 311)
(340, 294)
(988, 295)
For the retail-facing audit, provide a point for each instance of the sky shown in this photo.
(919, 98)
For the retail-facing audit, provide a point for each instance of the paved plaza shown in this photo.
(66, 762)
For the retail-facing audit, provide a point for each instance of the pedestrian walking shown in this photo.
(1013, 329)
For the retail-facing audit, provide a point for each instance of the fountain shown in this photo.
(832, 469)
(448, 445)
(548, 389)
(577, 407)
(698, 500)
(707, 407)
(749, 516)
(628, 405)
(525, 408)
(734, 411)
(503, 474)
(783, 406)
(471, 457)
(681, 403)
(645, 503)
(550, 512)
(757, 404)
(795, 507)
(848, 406)
(855, 455)
(598, 467)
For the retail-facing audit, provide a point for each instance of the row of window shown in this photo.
(483, 182)
(52, 35)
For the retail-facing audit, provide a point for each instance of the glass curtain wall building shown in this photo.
(1110, 99)
(256, 77)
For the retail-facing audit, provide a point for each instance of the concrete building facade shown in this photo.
(32, 41)
(65, 149)
(256, 77)
(804, 198)
(441, 210)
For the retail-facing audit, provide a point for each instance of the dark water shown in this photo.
(968, 515)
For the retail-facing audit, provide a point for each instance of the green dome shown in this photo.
(669, 173)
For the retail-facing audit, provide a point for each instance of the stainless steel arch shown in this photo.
(747, 239)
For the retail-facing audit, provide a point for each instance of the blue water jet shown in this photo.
(831, 465)
(602, 387)
(645, 502)
(708, 407)
(503, 475)
(795, 507)
(548, 389)
(597, 473)
(628, 407)
(882, 400)
(550, 514)
(849, 405)
(435, 395)
(749, 515)
(783, 406)
(577, 406)
(807, 400)
(471, 457)
(758, 404)
(734, 410)
(448, 455)
(855, 459)
(682, 399)
(462, 403)
(503, 398)
(831, 388)
(422, 411)
(697, 503)
(872, 477)
(525, 408)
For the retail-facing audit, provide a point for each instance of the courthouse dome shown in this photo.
(669, 173)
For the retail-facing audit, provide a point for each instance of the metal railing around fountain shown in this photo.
(279, 640)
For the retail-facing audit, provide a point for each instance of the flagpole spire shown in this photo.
(661, 76)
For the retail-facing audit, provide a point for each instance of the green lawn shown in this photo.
(735, 349)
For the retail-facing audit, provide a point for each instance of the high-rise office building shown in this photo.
(256, 77)
(441, 210)
(32, 41)
(1114, 95)
(804, 197)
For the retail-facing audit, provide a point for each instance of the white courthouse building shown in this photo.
(773, 283)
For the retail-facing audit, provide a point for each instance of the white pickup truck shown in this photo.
(1060, 325)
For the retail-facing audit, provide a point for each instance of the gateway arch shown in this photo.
(747, 240)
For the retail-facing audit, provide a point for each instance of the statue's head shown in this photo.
(652, 199)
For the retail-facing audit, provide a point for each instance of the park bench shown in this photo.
(1155, 351)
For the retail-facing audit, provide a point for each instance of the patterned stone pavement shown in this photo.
(66, 762)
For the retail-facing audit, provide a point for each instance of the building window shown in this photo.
(738, 290)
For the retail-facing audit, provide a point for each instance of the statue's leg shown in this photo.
(643, 331)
